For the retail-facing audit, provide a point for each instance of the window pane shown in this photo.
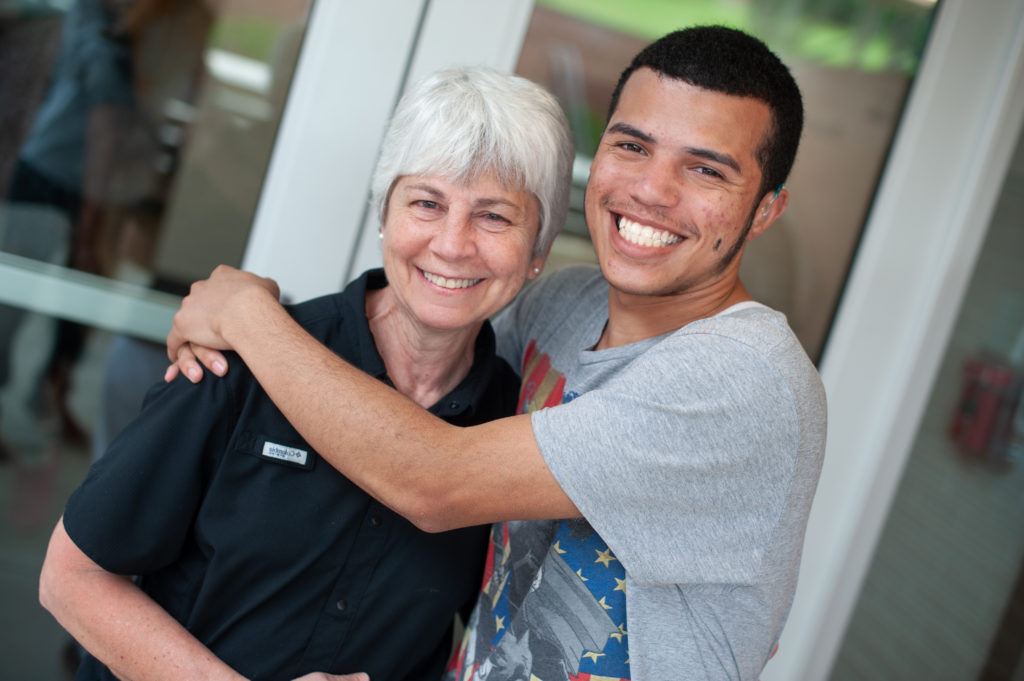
(49, 432)
(134, 137)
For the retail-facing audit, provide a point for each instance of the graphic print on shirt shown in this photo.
(553, 603)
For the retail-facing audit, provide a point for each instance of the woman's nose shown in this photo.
(454, 239)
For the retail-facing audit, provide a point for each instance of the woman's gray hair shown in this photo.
(459, 123)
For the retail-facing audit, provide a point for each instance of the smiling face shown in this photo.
(674, 187)
(455, 254)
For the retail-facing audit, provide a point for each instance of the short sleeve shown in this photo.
(530, 314)
(682, 461)
(135, 509)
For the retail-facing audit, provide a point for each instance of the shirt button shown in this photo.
(375, 520)
(341, 604)
(453, 405)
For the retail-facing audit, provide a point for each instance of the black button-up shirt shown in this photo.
(269, 556)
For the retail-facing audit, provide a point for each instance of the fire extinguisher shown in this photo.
(983, 422)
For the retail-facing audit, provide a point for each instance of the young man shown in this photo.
(675, 425)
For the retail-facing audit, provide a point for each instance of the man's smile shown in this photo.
(645, 235)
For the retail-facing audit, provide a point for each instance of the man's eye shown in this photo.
(631, 146)
(710, 172)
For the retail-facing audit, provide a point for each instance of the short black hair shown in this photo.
(730, 61)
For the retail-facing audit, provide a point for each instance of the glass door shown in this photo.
(943, 597)
(142, 143)
(885, 358)
(134, 141)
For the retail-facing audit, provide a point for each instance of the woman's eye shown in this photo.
(424, 203)
(494, 217)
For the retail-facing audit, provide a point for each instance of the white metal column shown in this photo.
(352, 64)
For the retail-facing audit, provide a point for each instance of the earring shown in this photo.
(536, 270)
(380, 235)
(778, 189)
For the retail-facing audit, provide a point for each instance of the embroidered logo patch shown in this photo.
(292, 455)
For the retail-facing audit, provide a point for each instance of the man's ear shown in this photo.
(769, 209)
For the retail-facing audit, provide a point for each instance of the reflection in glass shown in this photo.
(854, 61)
(944, 596)
(41, 463)
(134, 137)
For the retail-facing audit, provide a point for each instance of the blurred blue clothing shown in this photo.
(92, 69)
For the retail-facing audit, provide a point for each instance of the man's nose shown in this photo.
(656, 184)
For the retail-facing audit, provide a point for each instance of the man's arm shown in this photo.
(437, 475)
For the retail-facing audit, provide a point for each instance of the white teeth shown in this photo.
(645, 235)
(444, 282)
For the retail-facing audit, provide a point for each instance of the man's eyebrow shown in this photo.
(627, 129)
(716, 156)
(700, 152)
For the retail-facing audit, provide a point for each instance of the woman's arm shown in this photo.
(123, 627)
(118, 623)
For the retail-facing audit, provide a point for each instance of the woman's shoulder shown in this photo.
(346, 305)
(319, 310)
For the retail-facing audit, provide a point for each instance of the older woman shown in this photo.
(255, 558)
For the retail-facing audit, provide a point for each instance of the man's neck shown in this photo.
(633, 318)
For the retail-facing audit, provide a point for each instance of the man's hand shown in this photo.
(190, 357)
(197, 332)
(321, 676)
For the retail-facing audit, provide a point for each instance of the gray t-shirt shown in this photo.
(693, 457)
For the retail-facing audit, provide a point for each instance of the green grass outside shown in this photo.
(825, 42)
(247, 36)
(650, 19)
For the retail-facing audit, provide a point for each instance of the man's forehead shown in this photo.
(651, 103)
(649, 76)
(647, 79)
